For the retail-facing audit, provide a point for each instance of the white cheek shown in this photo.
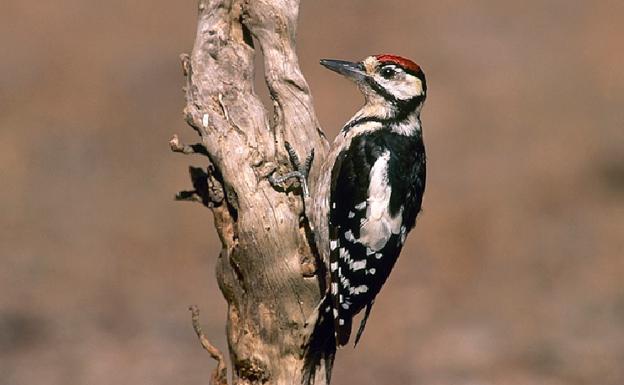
(402, 90)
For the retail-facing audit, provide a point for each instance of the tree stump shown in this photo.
(266, 269)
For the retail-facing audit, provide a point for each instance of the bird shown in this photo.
(367, 196)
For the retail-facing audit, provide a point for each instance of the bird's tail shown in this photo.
(321, 350)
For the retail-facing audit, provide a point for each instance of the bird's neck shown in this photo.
(374, 113)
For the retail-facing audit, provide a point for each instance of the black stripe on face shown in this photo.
(403, 107)
(380, 90)
(406, 106)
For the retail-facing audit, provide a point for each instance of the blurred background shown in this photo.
(514, 274)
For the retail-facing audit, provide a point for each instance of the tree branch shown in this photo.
(219, 374)
(186, 149)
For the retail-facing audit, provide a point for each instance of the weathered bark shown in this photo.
(266, 269)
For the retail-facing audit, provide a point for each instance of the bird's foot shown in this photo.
(302, 170)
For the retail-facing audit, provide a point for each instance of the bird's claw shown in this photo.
(302, 171)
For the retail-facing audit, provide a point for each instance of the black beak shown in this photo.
(351, 70)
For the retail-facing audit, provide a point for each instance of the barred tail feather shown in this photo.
(321, 350)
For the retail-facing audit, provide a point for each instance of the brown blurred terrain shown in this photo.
(514, 274)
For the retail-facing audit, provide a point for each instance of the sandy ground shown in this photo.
(513, 276)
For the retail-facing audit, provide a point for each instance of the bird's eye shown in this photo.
(388, 72)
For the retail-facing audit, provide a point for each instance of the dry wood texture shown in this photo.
(266, 269)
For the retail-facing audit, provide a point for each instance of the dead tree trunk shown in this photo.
(266, 269)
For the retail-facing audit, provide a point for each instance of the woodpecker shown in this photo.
(371, 185)
(369, 192)
(367, 197)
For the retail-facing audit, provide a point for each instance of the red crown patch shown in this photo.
(403, 62)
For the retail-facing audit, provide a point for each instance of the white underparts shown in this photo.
(379, 224)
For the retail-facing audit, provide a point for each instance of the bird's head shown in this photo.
(385, 79)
